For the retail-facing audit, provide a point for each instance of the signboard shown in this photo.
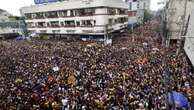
(44, 1)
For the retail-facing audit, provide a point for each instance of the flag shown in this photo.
(179, 99)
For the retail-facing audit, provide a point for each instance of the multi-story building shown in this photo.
(10, 26)
(189, 39)
(4, 15)
(180, 25)
(136, 10)
(178, 12)
(81, 17)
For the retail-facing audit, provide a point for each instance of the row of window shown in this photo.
(73, 23)
(138, 5)
(70, 23)
(69, 31)
(119, 20)
(71, 13)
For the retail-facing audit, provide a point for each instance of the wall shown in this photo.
(175, 16)
(72, 4)
(189, 40)
(137, 18)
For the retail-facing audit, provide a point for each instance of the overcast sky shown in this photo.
(13, 6)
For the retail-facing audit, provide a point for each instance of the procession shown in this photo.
(87, 75)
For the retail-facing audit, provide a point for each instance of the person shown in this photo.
(65, 103)
(60, 74)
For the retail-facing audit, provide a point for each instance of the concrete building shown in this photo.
(136, 10)
(189, 39)
(10, 26)
(76, 17)
(180, 24)
(178, 12)
(4, 15)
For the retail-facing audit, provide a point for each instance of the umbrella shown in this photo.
(179, 99)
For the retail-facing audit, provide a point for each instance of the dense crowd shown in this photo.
(128, 75)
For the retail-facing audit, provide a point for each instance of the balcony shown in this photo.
(85, 12)
(88, 23)
(51, 15)
(53, 24)
(69, 23)
(41, 25)
(39, 16)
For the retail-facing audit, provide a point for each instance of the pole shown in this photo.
(142, 25)
(133, 39)
(142, 34)
(106, 34)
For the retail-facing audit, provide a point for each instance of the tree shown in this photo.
(147, 16)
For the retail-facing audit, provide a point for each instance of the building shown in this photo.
(189, 39)
(4, 15)
(136, 10)
(180, 25)
(76, 17)
(10, 26)
(177, 16)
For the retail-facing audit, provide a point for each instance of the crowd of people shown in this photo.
(63, 75)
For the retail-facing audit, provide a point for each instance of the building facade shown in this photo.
(189, 39)
(180, 25)
(10, 26)
(81, 17)
(136, 10)
(178, 12)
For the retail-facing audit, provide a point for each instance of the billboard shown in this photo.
(44, 1)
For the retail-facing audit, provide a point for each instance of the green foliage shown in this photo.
(147, 16)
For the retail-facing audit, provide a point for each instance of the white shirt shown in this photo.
(64, 102)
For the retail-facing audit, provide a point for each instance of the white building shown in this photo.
(189, 40)
(81, 17)
(176, 17)
(136, 10)
(9, 26)
(4, 16)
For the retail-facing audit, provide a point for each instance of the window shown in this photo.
(78, 23)
(51, 14)
(39, 16)
(71, 12)
(122, 19)
(70, 23)
(122, 11)
(62, 24)
(88, 23)
(130, 6)
(30, 25)
(54, 24)
(144, 5)
(111, 21)
(41, 24)
(28, 16)
(111, 11)
(85, 12)
(62, 13)
(138, 5)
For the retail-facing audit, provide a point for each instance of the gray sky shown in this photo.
(13, 6)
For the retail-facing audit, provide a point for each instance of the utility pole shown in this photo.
(106, 35)
(133, 39)
(142, 34)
